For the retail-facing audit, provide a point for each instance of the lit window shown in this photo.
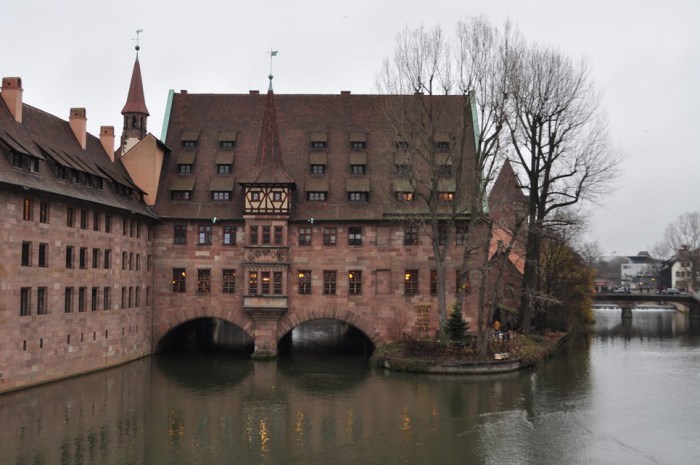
(203, 281)
(355, 282)
(446, 196)
(410, 282)
(179, 280)
(304, 281)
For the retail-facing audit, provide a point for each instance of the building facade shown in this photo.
(262, 210)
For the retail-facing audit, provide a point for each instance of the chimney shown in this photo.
(78, 123)
(107, 140)
(12, 95)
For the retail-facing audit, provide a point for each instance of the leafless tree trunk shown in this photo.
(682, 239)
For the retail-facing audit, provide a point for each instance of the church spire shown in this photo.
(134, 111)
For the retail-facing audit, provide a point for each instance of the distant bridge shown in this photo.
(690, 303)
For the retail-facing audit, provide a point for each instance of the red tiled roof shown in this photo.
(339, 118)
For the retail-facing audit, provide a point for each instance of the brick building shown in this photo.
(262, 210)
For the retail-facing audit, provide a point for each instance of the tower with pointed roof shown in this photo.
(135, 112)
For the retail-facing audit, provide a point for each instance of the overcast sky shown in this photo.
(645, 57)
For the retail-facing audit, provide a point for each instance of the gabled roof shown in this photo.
(135, 100)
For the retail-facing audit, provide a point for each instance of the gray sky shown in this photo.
(645, 57)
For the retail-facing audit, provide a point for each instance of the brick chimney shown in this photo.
(107, 140)
(78, 123)
(12, 95)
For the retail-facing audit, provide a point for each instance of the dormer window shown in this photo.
(33, 164)
(184, 169)
(318, 169)
(319, 140)
(316, 196)
(446, 196)
(223, 169)
(60, 171)
(358, 196)
(75, 176)
(182, 195)
(358, 145)
(404, 197)
(189, 139)
(358, 169)
(227, 144)
(402, 170)
(16, 159)
(358, 140)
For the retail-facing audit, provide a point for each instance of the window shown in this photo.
(404, 196)
(108, 223)
(26, 253)
(223, 169)
(27, 210)
(68, 301)
(318, 169)
(410, 235)
(138, 261)
(148, 263)
(229, 281)
(278, 235)
(180, 234)
(255, 196)
(16, 160)
(94, 299)
(265, 283)
(95, 221)
(69, 256)
(355, 282)
(316, 196)
(41, 299)
(43, 255)
(227, 144)
(253, 283)
(357, 196)
(221, 195)
(277, 282)
(44, 212)
(82, 297)
(178, 280)
(123, 302)
(442, 146)
(358, 169)
(181, 195)
(462, 282)
(461, 234)
(189, 144)
(83, 258)
(106, 299)
(266, 234)
(304, 281)
(125, 259)
(70, 217)
(433, 282)
(329, 282)
(83, 219)
(184, 169)
(125, 226)
(410, 282)
(204, 237)
(277, 196)
(358, 144)
(445, 170)
(253, 236)
(402, 170)
(401, 145)
(203, 281)
(24, 301)
(354, 235)
(442, 233)
(148, 296)
(137, 298)
(229, 235)
(304, 236)
(329, 236)
(446, 196)
(317, 144)
(108, 259)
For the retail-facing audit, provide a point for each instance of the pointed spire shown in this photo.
(268, 164)
(135, 101)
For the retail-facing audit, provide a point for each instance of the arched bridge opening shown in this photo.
(206, 335)
(325, 336)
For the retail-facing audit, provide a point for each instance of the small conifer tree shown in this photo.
(456, 327)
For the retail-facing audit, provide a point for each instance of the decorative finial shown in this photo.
(138, 47)
(273, 53)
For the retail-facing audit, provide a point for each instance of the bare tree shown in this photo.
(682, 239)
(560, 142)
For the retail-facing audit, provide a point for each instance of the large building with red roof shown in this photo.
(262, 210)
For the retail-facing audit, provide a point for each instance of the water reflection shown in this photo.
(611, 397)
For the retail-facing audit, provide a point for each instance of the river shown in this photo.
(628, 394)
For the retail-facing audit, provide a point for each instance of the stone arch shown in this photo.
(291, 320)
(170, 320)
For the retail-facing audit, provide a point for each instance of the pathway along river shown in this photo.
(630, 394)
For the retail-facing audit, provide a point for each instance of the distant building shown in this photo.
(641, 271)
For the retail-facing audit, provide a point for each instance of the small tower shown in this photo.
(134, 111)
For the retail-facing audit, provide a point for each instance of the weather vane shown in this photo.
(273, 53)
(138, 47)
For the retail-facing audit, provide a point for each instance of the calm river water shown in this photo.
(630, 394)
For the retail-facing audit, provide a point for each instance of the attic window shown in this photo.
(318, 144)
(319, 140)
(181, 195)
(446, 196)
(189, 144)
(184, 169)
(189, 139)
(227, 144)
(16, 159)
(358, 145)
